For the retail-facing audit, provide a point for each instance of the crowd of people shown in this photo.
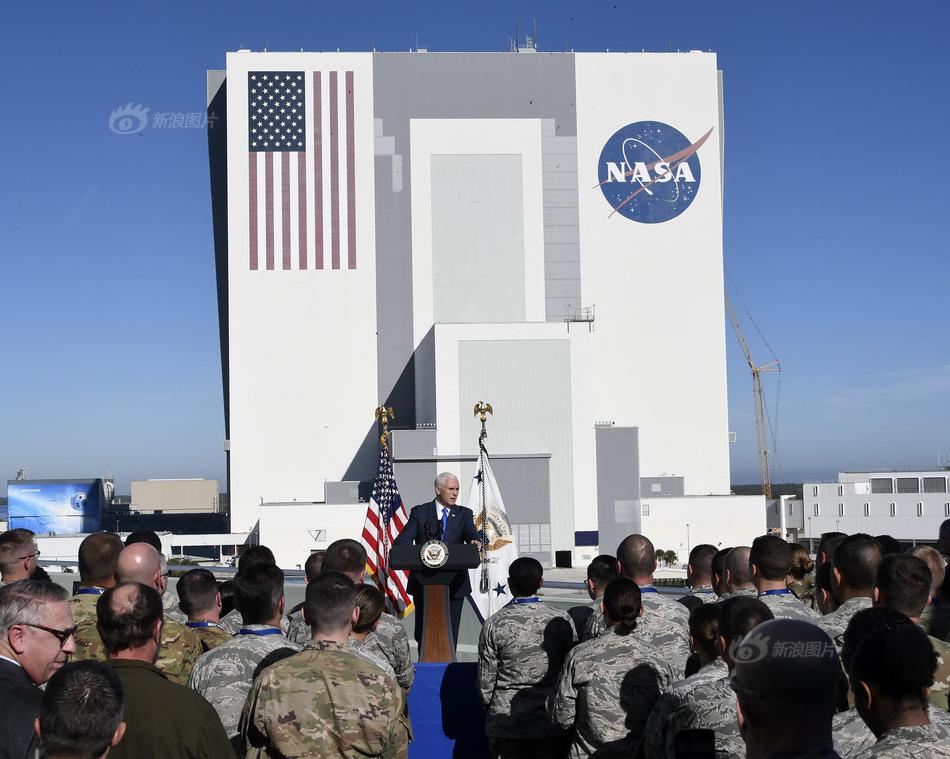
(769, 654)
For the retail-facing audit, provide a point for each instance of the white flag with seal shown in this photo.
(499, 540)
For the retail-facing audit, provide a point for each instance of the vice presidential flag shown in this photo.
(500, 540)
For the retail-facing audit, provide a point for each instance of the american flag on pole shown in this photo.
(301, 170)
(385, 517)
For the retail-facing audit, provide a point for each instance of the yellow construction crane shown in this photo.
(759, 399)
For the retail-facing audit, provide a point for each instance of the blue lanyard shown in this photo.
(265, 631)
(525, 600)
(648, 589)
(776, 592)
(90, 591)
(193, 625)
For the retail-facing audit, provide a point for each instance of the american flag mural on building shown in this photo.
(385, 517)
(301, 170)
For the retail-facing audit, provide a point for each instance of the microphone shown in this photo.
(438, 527)
(427, 533)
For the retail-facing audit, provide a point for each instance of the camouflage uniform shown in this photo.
(391, 641)
(704, 593)
(711, 705)
(520, 652)
(784, 605)
(940, 690)
(750, 592)
(606, 690)
(853, 738)
(913, 742)
(324, 701)
(210, 634)
(232, 621)
(224, 676)
(88, 643)
(360, 649)
(674, 703)
(802, 588)
(178, 651)
(170, 607)
(664, 625)
(298, 630)
(837, 622)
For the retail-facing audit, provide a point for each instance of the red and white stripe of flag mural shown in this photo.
(301, 170)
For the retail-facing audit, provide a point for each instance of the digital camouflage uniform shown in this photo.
(211, 635)
(711, 705)
(178, 651)
(324, 701)
(520, 652)
(298, 630)
(787, 606)
(664, 625)
(606, 691)
(674, 705)
(170, 607)
(88, 643)
(853, 738)
(391, 641)
(232, 621)
(704, 593)
(913, 742)
(359, 648)
(224, 676)
(750, 592)
(837, 622)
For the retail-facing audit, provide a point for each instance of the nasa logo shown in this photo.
(649, 171)
(78, 501)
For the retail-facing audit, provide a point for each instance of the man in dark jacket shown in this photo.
(36, 639)
(441, 518)
(162, 719)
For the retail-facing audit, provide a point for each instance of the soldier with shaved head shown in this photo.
(180, 647)
(665, 623)
(737, 574)
(162, 718)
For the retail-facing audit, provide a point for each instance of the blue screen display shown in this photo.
(61, 507)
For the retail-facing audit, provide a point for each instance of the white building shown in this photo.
(909, 506)
(539, 231)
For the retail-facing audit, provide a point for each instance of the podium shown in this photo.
(438, 644)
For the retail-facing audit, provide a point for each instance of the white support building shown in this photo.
(429, 230)
(909, 506)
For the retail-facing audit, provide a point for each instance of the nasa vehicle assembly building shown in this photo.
(541, 231)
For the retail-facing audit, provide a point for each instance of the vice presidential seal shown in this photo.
(434, 554)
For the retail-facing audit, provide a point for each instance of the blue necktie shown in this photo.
(445, 520)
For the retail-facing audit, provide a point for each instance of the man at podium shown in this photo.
(440, 519)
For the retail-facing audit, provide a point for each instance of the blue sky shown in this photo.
(836, 215)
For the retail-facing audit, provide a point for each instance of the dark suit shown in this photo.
(21, 705)
(459, 528)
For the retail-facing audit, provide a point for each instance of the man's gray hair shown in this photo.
(444, 477)
(13, 542)
(24, 601)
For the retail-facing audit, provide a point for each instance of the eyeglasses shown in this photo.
(36, 554)
(61, 635)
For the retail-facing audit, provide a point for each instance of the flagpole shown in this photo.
(383, 415)
(480, 410)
